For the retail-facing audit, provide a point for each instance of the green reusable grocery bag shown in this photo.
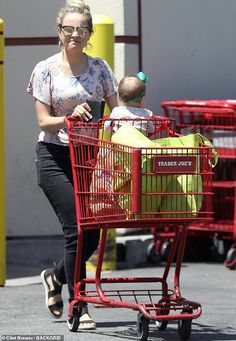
(177, 195)
(189, 141)
(185, 190)
(185, 196)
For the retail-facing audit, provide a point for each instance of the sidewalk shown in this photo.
(22, 310)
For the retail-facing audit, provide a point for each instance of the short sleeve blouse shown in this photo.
(50, 85)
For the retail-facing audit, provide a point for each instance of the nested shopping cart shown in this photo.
(118, 185)
(217, 120)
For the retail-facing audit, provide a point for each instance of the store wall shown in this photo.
(28, 213)
(188, 49)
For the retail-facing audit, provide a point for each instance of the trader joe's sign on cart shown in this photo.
(178, 164)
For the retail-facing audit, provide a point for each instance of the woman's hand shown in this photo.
(82, 111)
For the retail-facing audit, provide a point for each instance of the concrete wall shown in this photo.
(189, 49)
(121, 12)
(28, 212)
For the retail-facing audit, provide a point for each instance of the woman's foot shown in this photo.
(52, 287)
(85, 321)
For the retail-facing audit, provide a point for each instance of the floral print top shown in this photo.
(50, 85)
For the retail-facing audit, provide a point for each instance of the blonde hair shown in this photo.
(76, 7)
(131, 89)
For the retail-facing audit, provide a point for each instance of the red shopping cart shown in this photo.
(121, 186)
(217, 120)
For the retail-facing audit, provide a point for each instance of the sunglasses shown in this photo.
(81, 30)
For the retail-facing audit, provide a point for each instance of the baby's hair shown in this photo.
(131, 89)
(76, 7)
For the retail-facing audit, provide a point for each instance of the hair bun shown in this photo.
(80, 4)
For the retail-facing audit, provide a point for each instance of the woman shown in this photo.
(60, 86)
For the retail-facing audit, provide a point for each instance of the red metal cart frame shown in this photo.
(131, 204)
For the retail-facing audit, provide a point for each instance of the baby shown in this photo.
(131, 94)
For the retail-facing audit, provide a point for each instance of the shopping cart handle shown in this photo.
(69, 118)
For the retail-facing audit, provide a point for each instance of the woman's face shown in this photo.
(74, 32)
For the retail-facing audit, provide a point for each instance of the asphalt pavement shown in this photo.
(23, 315)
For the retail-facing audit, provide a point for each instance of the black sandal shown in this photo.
(86, 322)
(51, 293)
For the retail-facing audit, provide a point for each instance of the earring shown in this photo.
(60, 43)
(89, 46)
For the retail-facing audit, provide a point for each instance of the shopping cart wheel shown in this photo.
(162, 324)
(73, 322)
(230, 261)
(185, 328)
(153, 256)
(142, 327)
(165, 249)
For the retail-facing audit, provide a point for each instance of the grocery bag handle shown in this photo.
(206, 142)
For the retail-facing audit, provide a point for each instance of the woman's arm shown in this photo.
(53, 123)
(112, 101)
(45, 120)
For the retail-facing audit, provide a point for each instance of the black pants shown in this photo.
(55, 178)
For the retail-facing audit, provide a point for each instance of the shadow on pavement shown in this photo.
(199, 332)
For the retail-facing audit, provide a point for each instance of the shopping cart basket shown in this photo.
(208, 118)
(217, 120)
(137, 178)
